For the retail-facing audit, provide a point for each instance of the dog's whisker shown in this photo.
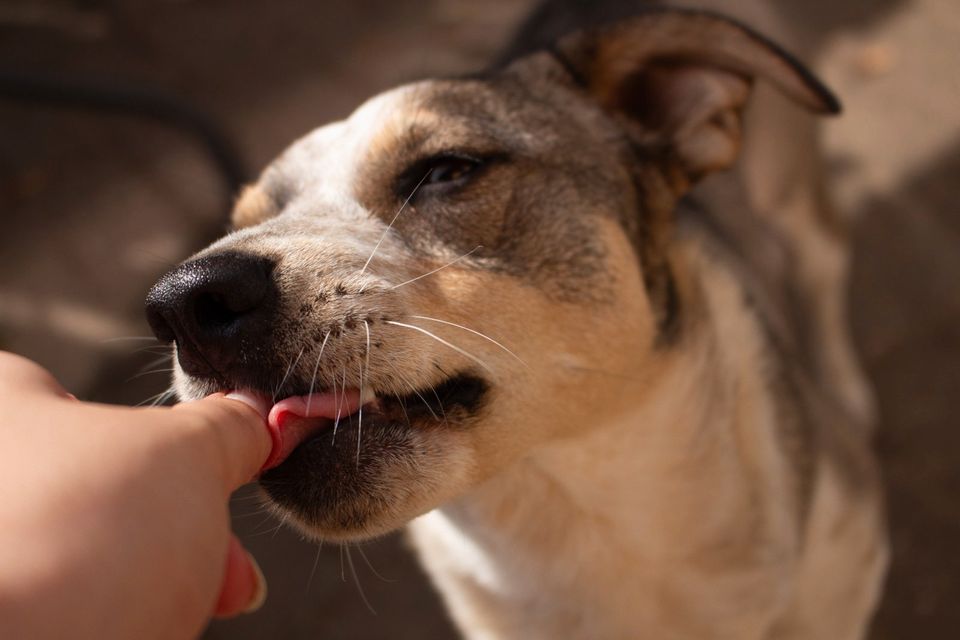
(158, 349)
(316, 367)
(430, 273)
(403, 408)
(316, 562)
(390, 226)
(360, 418)
(343, 394)
(148, 368)
(253, 514)
(158, 399)
(475, 332)
(443, 412)
(356, 581)
(163, 359)
(363, 375)
(283, 520)
(130, 339)
(286, 374)
(147, 373)
(415, 391)
(258, 529)
(443, 342)
(370, 565)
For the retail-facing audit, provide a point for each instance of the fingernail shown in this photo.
(254, 401)
(260, 593)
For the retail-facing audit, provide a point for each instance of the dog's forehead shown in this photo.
(330, 155)
(403, 124)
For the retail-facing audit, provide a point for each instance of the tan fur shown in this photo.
(252, 207)
(698, 512)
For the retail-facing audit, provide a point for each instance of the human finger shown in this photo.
(237, 430)
(244, 588)
(19, 374)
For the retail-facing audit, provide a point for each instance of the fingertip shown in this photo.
(241, 440)
(260, 591)
(244, 588)
(256, 402)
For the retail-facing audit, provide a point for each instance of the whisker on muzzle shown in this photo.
(443, 342)
(430, 273)
(475, 332)
(286, 374)
(316, 367)
(416, 392)
(159, 399)
(390, 226)
(343, 395)
(363, 375)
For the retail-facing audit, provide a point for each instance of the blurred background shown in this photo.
(102, 191)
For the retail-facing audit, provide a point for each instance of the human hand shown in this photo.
(113, 520)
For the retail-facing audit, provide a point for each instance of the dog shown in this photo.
(601, 364)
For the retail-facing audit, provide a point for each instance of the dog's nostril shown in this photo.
(161, 328)
(212, 310)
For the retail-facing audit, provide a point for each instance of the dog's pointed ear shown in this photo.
(681, 78)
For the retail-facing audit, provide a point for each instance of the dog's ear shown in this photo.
(679, 79)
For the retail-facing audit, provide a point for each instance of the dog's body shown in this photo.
(660, 432)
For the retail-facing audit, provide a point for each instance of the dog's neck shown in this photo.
(691, 474)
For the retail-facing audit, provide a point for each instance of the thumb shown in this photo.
(244, 588)
(236, 423)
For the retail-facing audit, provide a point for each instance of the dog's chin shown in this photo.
(380, 468)
(371, 472)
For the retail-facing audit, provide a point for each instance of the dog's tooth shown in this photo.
(368, 396)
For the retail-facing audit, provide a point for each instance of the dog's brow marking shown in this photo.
(485, 337)
(430, 273)
(316, 367)
(444, 342)
(390, 226)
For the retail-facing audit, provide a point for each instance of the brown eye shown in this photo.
(446, 169)
(442, 175)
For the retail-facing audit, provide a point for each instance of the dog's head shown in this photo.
(471, 254)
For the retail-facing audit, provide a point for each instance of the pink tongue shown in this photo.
(293, 419)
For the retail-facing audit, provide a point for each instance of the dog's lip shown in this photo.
(292, 420)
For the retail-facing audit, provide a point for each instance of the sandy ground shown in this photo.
(96, 207)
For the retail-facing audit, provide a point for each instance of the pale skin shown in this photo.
(114, 520)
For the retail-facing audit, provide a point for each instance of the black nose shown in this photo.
(215, 308)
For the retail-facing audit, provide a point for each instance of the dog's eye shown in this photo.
(445, 169)
(437, 173)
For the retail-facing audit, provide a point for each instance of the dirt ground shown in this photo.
(96, 206)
